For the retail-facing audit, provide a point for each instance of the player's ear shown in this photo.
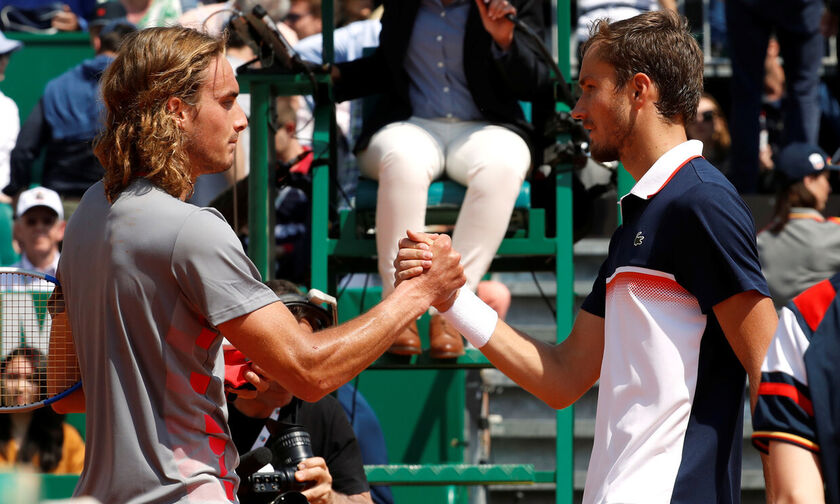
(642, 88)
(178, 108)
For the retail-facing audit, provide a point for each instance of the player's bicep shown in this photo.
(269, 336)
(213, 272)
(748, 320)
(584, 349)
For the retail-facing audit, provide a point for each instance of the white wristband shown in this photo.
(472, 317)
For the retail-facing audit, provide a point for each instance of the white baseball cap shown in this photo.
(39, 196)
(8, 45)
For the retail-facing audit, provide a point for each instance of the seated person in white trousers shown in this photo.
(451, 73)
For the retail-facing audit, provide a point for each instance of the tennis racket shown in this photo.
(37, 357)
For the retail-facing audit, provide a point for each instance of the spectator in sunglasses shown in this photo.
(709, 126)
(38, 229)
(304, 17)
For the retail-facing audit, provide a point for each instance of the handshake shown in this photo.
(430, 259)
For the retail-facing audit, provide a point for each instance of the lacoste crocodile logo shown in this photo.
(639, 239)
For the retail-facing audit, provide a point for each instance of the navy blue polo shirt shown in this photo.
(799, 395)
(670, 405)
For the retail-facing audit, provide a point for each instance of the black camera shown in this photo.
(289, 445)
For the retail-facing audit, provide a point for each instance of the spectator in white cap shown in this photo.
(10, 125)
(39, 229)
(800, 247)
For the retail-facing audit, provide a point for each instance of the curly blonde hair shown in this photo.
(140, 137)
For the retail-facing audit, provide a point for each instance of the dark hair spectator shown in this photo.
(304, 17)
(349, 11)
(112, 35)
(710, 127)
(800, 247)
(39, 438)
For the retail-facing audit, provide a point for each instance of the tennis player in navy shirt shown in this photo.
(796, 421)
(679, 313)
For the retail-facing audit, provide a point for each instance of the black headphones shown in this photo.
(302, 308)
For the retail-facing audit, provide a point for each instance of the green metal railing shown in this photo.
(429, 377)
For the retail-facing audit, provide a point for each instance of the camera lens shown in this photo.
(292, 446)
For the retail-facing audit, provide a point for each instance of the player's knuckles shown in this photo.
(444, 240)
(451, 260)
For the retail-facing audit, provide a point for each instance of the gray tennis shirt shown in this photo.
(146, 281)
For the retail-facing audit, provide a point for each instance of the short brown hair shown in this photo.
(659, 45)
(140, 137)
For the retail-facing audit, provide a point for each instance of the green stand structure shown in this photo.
(419, 400)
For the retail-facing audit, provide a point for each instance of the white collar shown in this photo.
(25, 263)
(665, 167)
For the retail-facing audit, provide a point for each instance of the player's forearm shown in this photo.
(334, 356)
(311, 365)
(62, 358)
(73, 403)
(330, 358)
(62, 355)
(523, 360)
(794, 474)
(553, 373)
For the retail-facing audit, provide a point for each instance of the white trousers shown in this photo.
(406, 156)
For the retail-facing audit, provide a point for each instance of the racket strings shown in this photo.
(26, 325)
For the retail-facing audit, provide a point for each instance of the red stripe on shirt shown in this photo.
(814, 302)
(199, 382)
(205, 338)
(217, 444)
(761, 439)
(789, 391)
(229, 489)
(651, 287)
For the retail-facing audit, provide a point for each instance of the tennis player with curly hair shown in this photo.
(152, 284)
